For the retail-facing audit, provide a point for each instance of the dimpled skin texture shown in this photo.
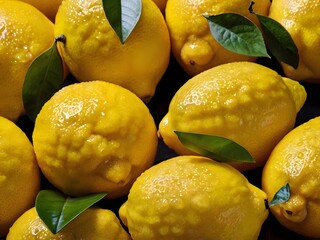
(300, 18)
(245, 102)
(94, 51)
(22, 40)
(191, 197)
(19, 174)
(91, 137)
(94, 223)
(296, 160)
(192, 43)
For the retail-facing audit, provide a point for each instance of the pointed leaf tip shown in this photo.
(57, 210)
(281, 196)
(123, 15)
(238, 34)
(215, 147)
(279, 41)
(44, 77)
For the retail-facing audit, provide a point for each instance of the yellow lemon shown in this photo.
(19, 174)
(25, 33)
(192, 197)
(93, 223)
(192, 43)
(94, 137)
(47, 7)
(93, 51)
(242, 101)
(296, 161)
(300, 18)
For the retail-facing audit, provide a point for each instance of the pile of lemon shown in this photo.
(97, 133)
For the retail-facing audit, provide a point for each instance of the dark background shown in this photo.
(170, 83)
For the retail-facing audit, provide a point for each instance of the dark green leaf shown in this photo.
(57, 210)
(279, 41)
(237, 34)
(44, 77)
(281, 196)
(123, 15)
(215, 147)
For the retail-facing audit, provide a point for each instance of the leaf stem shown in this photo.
(61, 38)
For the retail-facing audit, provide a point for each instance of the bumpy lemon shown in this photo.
(296, 160)
(93, 50)
(25, 33)
(19, 174)
(300, 18)
(191, 197)
(243, 101)
(94, 137)
(192, 43)
(94, 223)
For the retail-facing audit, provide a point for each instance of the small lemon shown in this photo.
(94, 51)
(25, 34)
(19, 174)
(300, 18)
(94, 137)
(242, 101)
(296, 161)
(192, 197)
(193, 45)
(93, 223)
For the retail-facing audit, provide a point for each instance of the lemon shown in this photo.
(192, 43)
(93, 50)
(192, 197)
(242, 101)
(19, 174)
(22, 40)
(295, 160)
(299, 18)
(94, 137)
(93, 223)
(47, 7)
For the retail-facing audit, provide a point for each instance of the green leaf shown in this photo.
(57, 210)
(237, 34)
(215, 147)
(44, 77)
(123, 15)
(279, 41)
(281, 196)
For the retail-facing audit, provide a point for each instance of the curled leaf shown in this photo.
(123, 15)
(215, 147)
(44, 77)
(281, 196)
(57, 210)
(237, 34)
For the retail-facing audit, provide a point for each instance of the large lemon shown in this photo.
(190, 197)
(94, 137)
(242, 101)
(93, 50)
